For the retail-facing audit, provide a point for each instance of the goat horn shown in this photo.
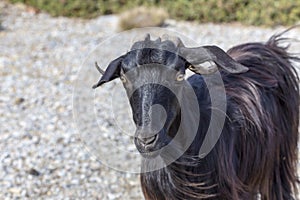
(158, 40)
(101, 71)
(140, 38)
(198, 55)
(176, 40)
(147, 38)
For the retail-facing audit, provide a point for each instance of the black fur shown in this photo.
(257, 150)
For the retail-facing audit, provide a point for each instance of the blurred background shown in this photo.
(43, 45)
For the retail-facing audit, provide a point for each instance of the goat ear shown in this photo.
(199, 55)
(112, 72)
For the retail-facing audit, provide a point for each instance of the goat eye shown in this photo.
(180, 77)
(123, 78)
(192, 68)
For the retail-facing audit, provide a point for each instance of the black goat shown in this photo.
(256, 154)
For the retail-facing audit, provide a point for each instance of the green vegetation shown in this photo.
(251, 12)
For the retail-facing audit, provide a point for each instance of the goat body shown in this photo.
(256, 153)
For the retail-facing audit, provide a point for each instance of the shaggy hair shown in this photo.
(257, 150)
(256, 154)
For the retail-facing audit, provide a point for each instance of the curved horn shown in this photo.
(176, 40)
(199, 55)
(101, 71)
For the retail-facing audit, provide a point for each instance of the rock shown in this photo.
(34, 172)
(19, 100)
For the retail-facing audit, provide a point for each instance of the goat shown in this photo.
(256, 153)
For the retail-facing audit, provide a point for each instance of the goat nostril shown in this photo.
(148, 140)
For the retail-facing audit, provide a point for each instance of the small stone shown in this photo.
(19, 100)
(14, 190)
(34, 172)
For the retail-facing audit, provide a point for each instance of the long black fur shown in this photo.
(257, 150)
(256, 154)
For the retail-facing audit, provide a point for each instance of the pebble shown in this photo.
(42, 151)
(34, 172)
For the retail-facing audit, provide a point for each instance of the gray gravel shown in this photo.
(42, 151)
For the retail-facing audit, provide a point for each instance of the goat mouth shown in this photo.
(151, 154)
(149, 147)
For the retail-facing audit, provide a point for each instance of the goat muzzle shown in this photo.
(147, 141)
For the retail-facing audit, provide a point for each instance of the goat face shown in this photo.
(152, 83)
(152, 74)
(155, 107)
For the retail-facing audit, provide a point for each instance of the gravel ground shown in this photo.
(43, 155)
